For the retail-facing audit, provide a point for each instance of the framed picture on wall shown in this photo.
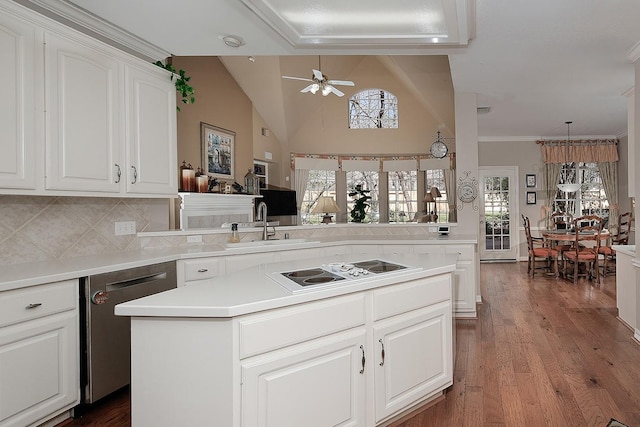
(218, 151)
(531, 197)
(531, 180)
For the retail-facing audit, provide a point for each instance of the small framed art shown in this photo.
(531, 197)
(531, 180)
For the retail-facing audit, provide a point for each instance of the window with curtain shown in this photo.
(373, 108)
(403, 195)
(590, 199)
(369, 181)
(320, 183)
(435, 178)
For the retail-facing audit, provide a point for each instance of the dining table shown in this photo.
(555, 237)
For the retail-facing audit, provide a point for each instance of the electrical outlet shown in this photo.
(194, 239)
(125, 227)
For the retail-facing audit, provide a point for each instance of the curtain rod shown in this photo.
(559, 142)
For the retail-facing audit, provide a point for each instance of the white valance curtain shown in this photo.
(361, 165)
(399, 165)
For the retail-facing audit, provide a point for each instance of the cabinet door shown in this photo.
(39, 368)
(417, 361)
(83, 132)
(18, 103)
(320, 383)
(151, 131)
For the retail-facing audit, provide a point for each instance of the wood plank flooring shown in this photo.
(543, 352)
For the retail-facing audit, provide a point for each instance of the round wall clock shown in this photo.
(438, 149)
(467, 192)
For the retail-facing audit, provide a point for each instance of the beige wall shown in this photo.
(264, 145)
(219, 102)
(326, 130)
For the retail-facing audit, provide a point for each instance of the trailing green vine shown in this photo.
(181, 83)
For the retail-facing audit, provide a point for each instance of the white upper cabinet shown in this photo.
(81, 117)
(83, 105)
(151, 132)
(17, 104)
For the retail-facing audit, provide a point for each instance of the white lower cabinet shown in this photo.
(319, 383)
(414, 358)
(39, 367)
(464, 278)
(317, 363)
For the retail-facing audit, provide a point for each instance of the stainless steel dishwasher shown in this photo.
(106, 338)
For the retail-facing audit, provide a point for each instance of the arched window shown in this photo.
(373, 108)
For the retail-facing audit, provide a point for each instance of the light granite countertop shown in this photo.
(29, 274)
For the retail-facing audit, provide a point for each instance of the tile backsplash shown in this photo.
(42, 228)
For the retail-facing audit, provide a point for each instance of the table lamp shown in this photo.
(430, 197)
(326, 205)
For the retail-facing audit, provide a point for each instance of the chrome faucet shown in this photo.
(262, 216)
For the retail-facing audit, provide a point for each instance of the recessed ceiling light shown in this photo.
(233, 41)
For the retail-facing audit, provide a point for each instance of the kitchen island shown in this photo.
(244, 350)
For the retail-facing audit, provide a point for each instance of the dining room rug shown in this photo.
(615, 423)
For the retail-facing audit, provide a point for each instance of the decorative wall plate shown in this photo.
(467, 192)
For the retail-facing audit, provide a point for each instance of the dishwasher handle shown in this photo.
(134, 282)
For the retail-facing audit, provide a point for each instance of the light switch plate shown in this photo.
(124, 228)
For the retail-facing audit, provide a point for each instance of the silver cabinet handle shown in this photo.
(118, 173)
(33, 305)
(135, 174)
(363, 360)
(203, 270)
(382, 344)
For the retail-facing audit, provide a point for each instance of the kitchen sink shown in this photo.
(266, 243)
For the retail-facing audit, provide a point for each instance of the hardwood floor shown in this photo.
(543, 352)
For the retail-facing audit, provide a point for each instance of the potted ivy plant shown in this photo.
(181, 82)
(360, 197)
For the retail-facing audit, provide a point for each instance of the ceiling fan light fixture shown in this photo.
(326, 90)
(314, 88)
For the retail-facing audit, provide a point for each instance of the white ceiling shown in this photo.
(537, 63)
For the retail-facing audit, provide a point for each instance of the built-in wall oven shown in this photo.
(105, 338)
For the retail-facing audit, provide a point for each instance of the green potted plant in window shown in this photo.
(360, 197)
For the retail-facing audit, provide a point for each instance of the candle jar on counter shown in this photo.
(202, 183)
(188, 179)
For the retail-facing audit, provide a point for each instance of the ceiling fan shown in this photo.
(319, 82)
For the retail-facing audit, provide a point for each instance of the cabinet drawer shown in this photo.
(197, 269)
(287, 326)
(397, 299)
(24, 304)
(464, 252)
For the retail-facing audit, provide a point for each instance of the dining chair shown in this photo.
(620, 238)
(561, 221)
(585, 250)
(538, 250)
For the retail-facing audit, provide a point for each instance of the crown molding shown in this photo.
(82, 20)
(540, 138)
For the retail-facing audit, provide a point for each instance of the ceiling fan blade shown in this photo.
(341, 82)
(297, 78)
(317, 75)
(334, 90)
